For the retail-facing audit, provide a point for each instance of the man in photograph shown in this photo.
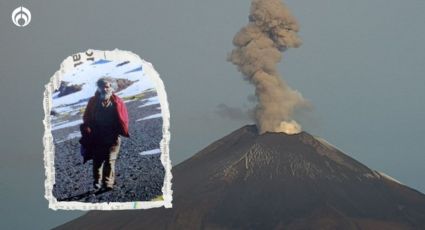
(105, 119)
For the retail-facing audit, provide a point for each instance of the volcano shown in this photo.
(273, 181)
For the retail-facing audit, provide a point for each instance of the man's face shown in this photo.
(105, 90)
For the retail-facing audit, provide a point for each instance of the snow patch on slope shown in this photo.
(388, 177)
(66, 124)
(150, 101)
(151, 152)
(87, 75)
(158, 115)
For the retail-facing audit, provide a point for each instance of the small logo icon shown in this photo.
(21, 16)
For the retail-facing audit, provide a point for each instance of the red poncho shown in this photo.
(88, 116)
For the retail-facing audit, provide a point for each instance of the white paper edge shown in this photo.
(54, 83)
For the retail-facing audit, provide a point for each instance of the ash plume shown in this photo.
(259, 46)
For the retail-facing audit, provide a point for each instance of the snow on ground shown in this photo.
(55, 95)
(67, 124)
(75, 134)
(150, 117)
(136, 88)
(150, 101)
(59, 123)
(67, 110)
(87, 74)
(151, 152)
(388, 177)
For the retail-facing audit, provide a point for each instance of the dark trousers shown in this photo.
(104, 158)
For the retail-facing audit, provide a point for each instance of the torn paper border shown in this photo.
(72, 63)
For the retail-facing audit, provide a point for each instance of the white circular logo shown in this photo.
(21, 16)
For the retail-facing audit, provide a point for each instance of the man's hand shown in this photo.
(85, 129)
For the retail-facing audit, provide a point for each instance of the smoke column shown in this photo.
(259, 47)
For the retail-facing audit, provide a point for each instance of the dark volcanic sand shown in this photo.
(138, 178)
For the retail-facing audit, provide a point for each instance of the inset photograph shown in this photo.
(106, 134)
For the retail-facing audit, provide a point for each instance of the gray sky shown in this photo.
(362, 67)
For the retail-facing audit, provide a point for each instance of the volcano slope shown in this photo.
(273, 181)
